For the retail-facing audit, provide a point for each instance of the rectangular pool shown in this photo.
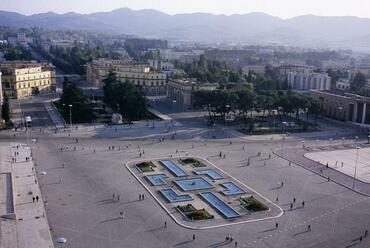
(193, 184)
(209, 172)
(219, 205)
(171, 166)
(157, 179)
(232, 189)
(172, 196)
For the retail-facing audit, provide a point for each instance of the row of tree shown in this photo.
(242, 102)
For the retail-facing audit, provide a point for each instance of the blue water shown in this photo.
(193, 184)
(156, 179)
(232, 189)
(172, 196)
(218, 204)
(171, 166)
(209, 172)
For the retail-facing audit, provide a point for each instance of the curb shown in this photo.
(202, 228)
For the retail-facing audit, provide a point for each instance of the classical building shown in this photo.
(180, 91)
(20, 79)
(151, 83)
(344, 106)
(305, 81)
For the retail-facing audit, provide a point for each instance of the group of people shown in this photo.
(35, 198)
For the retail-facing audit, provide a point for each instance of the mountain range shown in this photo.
(253, 28)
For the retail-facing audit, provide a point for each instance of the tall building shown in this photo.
(305, 81)
(21, 79)
(151, 83)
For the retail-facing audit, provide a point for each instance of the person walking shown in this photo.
(122, 215)
(303, 204)
(33, 199)
(165, 224)
(309, 227)
(193, 237)
(37, 198)
(276, 225)
(294, 200)
(117, 197)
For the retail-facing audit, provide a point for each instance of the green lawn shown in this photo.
(252, 204)
(146, 166)
(192, 161)
(195, 214)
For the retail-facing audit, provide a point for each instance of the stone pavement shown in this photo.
(31, 228)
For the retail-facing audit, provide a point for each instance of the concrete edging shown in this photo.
(202, 228)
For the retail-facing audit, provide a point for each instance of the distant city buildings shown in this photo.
(151, 83)
(344, 106)
(285, 69)
(305, 81)
(180, 91)
(258, 69)
(21, 39)
(22, 79)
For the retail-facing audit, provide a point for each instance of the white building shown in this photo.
(343, 84)
(305, 81)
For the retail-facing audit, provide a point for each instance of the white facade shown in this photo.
(343, 84)
(309, 81)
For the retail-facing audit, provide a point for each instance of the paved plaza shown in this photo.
(345, 161)
(84, 167)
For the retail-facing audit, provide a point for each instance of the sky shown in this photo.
(280, 8)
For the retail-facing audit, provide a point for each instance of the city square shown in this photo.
(85, 166)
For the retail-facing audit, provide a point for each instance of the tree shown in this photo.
(124, 98)
(5, 110)
(81, 108)
(358, 82)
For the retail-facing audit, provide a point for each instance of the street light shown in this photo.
(227, 110)
(70, 115)
(174, 105)
(354, 177)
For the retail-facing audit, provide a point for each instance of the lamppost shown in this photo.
(354, 177)
(70, 115)
(282, 146)
(368, 139)
(341, 113)
(343, 138)
(174, 105)
(303, 146)
(227, 111)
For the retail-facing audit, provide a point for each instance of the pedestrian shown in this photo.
(121, 214)
(142, 197)
(117, 197)
(290, 163)
(269, 155)
(165, 224)
(328, 179)
(321, 170)
(365, 233)
(35, 181)
(33, 199)
(236, 244)
(291, 206)
(309, 227)
(276, 225)
(282, 184)
(139, 197)
(294, 200)
(193, 236)
(342, 164)
(361, 238)
(37, 198)
(303, 204)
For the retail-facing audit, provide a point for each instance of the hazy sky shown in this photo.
(281, 8)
